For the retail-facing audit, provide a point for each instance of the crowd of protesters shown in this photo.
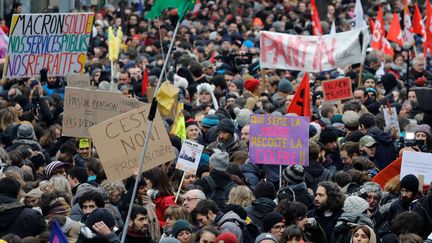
(47, 177)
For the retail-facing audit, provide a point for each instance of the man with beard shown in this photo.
(329, 201)
(89, 201)
(138, 226)
(408, 193)
(227, 141)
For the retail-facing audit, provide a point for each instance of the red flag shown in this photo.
(418, 25)
(388, 172)
(428, 41)
(145, 82)
(212, 58)
(379, 31)
(408, 35)
(316, 23)
(395, 32)
(371, 25)
(387, 48)
(300, 104)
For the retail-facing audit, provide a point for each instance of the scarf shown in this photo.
(224, 147)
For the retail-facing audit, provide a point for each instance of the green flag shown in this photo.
(182, 7)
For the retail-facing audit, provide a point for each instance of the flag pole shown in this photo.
(151, 116)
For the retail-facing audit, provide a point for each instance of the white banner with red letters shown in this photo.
(313, 53)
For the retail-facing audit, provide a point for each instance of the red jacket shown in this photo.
(162, 203)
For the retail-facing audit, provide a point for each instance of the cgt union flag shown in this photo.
(313, 53)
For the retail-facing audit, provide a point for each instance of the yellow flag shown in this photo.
(179, 128)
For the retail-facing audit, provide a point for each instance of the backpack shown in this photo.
(249, 232)
(219, 194)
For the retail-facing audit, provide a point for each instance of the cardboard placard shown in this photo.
(189, 157)
(55, 41)
(418, 164)
(79, 81)
(337, 89)
(84, 108)
(120, 140)
(279, 140)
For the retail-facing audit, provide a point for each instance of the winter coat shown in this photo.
(315, 173)
(230, 222)
(327, 223)
(301, 194)
(87, 236)
(260, 207)
(424, 208)
(35, 146)
(385, 235)
(251, 173)
(347, 222)
(18, 219)
(237, 146)
(385, 151)
(220, 178)
(162, 203)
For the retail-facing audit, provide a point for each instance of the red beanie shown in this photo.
(226, 237)
(252, 84)
(420, 81)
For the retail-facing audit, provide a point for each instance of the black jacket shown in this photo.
(260, 207)
(316, 173)
(220, 178)
(385, 151)
(18, 219)
(327, 223)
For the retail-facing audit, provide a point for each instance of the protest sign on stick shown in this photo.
(55, 41)
(84, 108)
(337, 89)
(279, 140)
(391, 119)
(119, 141)
(418, 164)
(188, 160)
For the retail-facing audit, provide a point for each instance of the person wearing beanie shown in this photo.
(208, 127)
(294, 186)
(198, 78)
(274, 223)
(242, 116)
(192, 130)
(25, 136)
(268, 238)
(15, 217)
(284, 89)
(264, 193)
(218, 183)
(206, 96)
(56, 168)
(328, 141)
(253, 86)
(409, 191)
(423, 133)
(227, 140)
(182, 231)
(226, 237)
(372, 192)
(236, 86)
(99, 227)
(353, 215)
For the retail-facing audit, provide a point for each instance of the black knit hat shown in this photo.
(294, 174)
(265, 189)
(100, 214)
(226, 125)
(328, 135)
(271, 219)
(10, 187)
(410, 183)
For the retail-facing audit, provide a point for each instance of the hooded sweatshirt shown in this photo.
(385, 150)
(230, 222)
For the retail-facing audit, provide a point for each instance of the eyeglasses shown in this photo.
(191, 198)
(279, 227)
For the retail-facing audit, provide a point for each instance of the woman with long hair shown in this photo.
(160, 192)
(363, 234)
